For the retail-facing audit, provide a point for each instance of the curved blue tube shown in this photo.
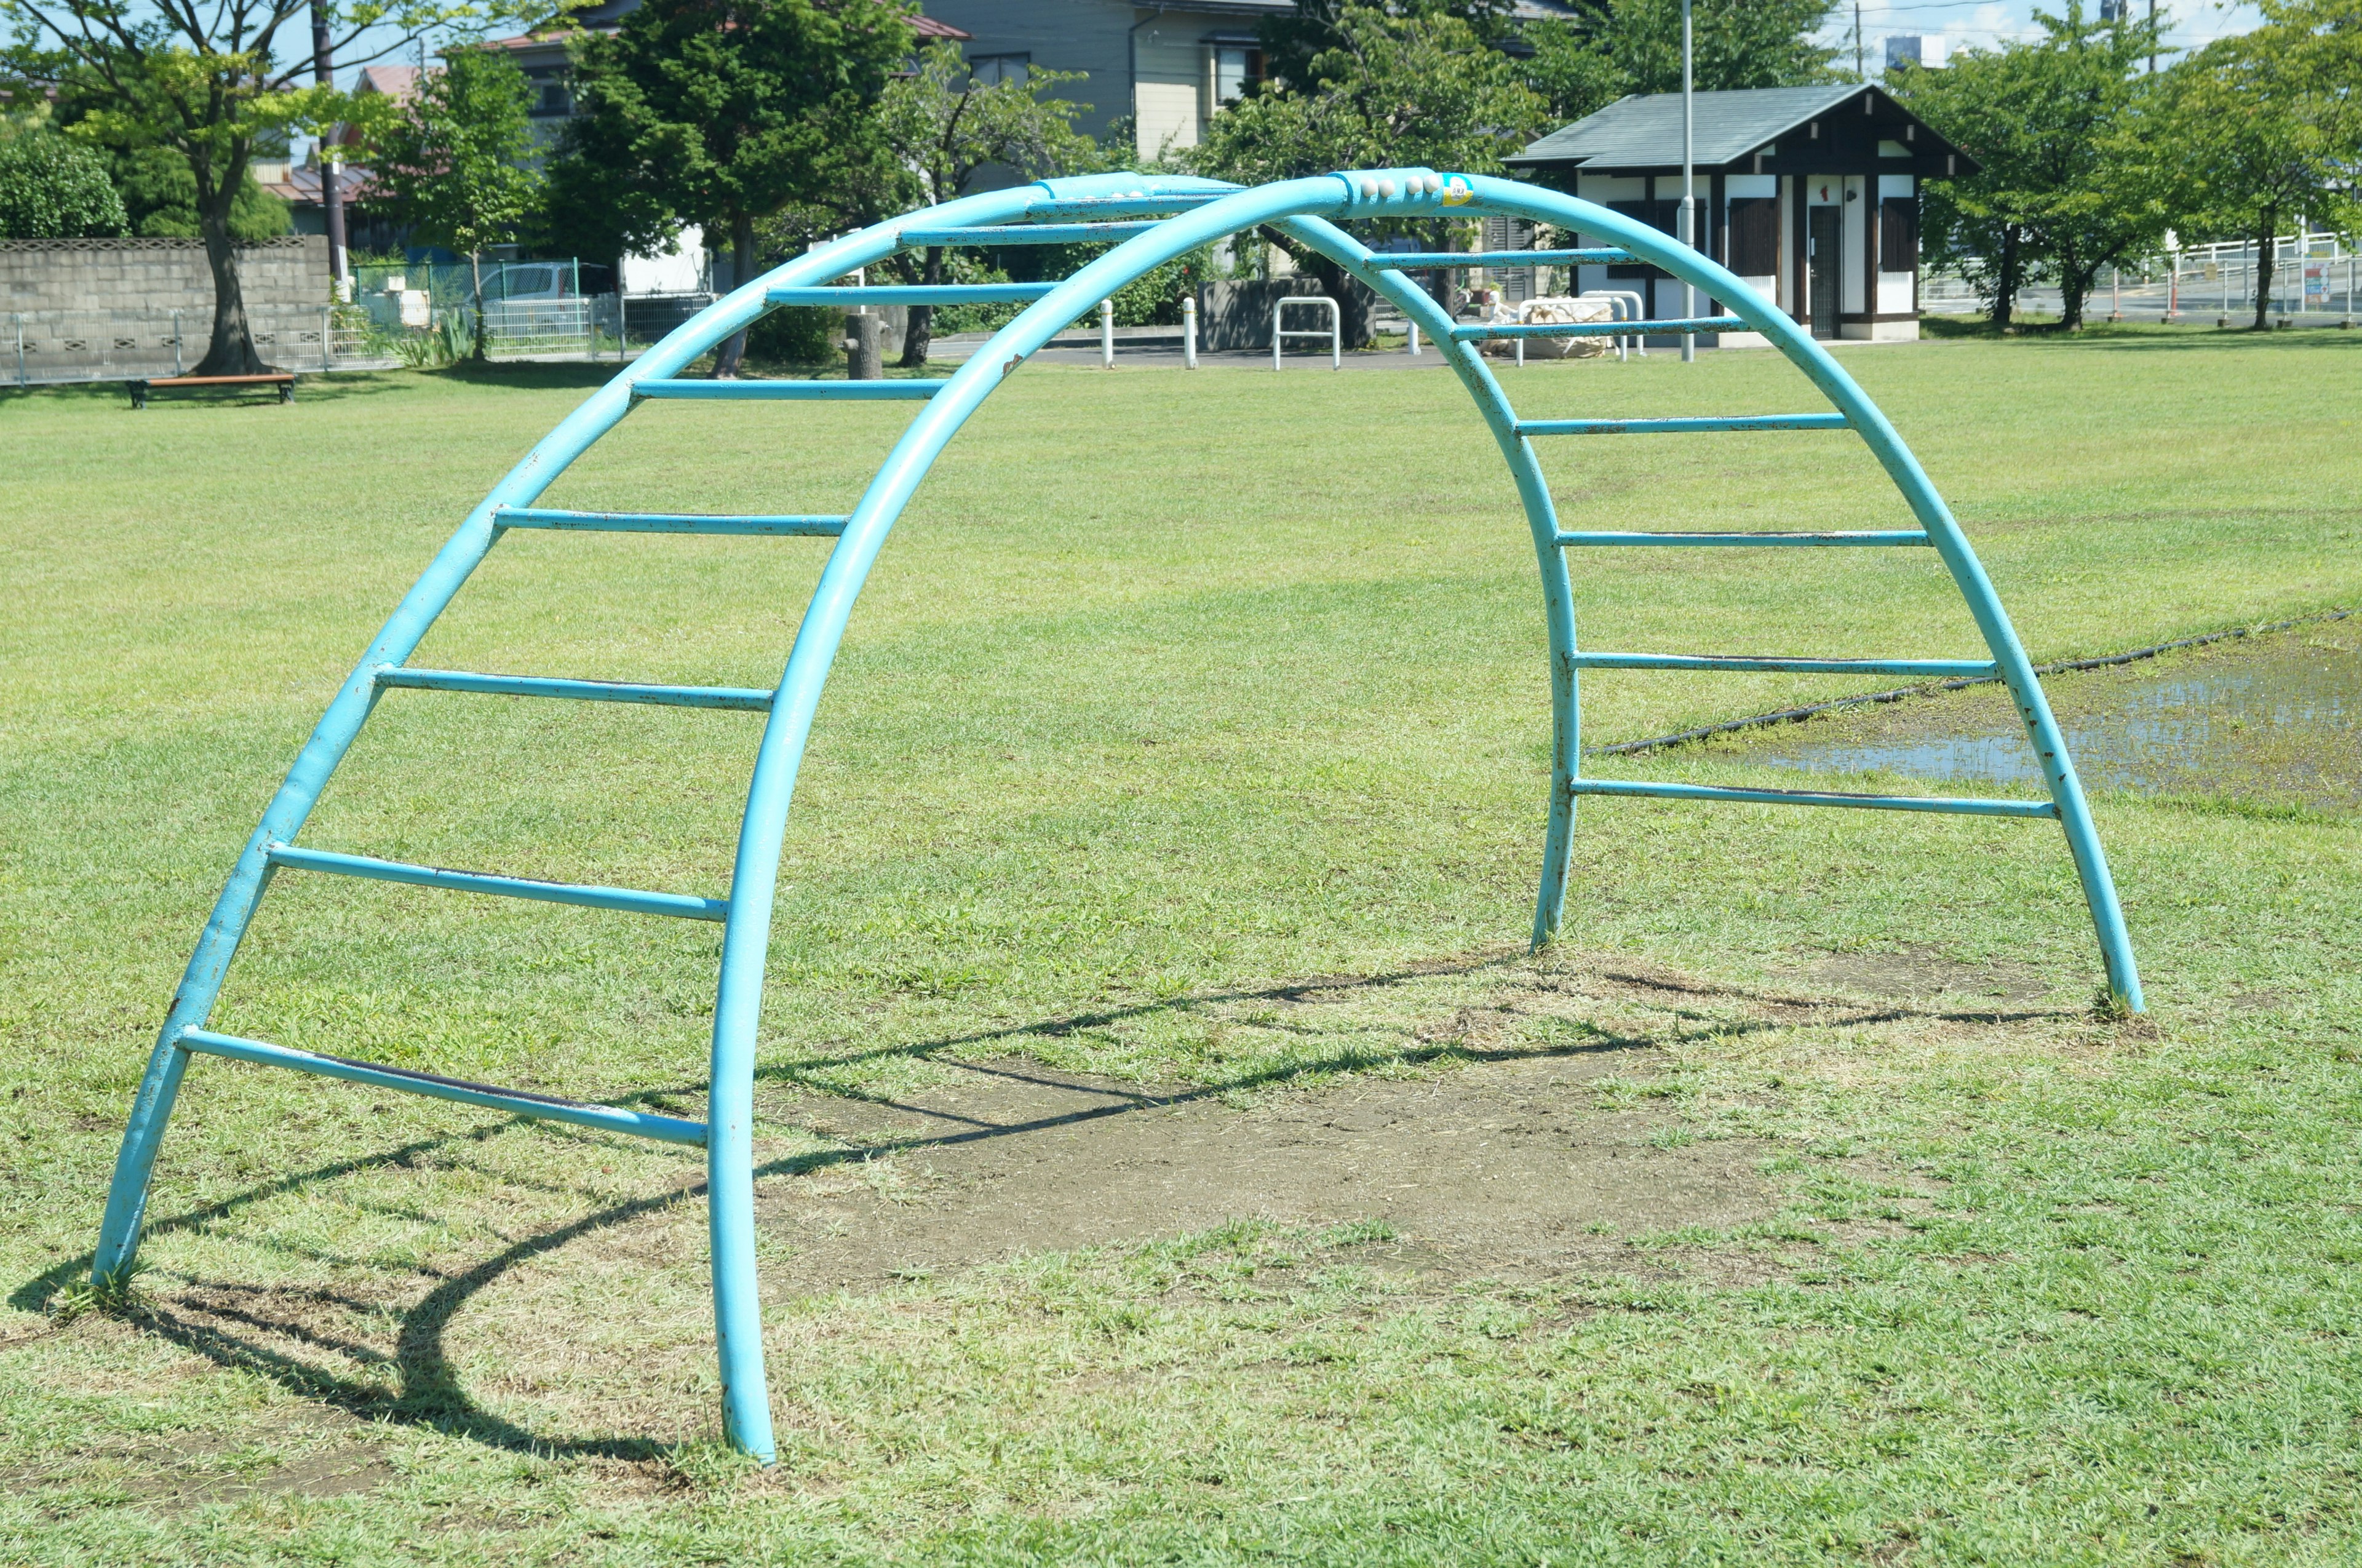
(1301, 207)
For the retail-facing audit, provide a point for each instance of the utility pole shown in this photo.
(1689, 192)
(1858, 74)
(332, 194)
(2152, 36)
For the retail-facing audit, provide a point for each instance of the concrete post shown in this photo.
(864, 348)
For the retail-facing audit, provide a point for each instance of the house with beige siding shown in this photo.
(1167, 69)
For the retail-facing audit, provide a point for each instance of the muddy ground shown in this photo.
(1497, 1167)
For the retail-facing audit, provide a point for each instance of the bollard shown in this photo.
(865, 347)
(1107, 335)
(1189, 333)
(1414, 340)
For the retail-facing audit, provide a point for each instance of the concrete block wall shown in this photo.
(91, 309)
(136, 277)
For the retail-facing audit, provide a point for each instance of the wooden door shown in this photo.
(1824, 237)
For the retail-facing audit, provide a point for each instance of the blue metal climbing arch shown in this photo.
(1149, 220)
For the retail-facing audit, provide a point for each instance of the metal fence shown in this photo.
(52, 347)
(2316, 276)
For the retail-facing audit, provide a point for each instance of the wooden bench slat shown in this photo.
(140, 386)
(217, 380)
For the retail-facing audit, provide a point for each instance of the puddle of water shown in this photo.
(2272, 719)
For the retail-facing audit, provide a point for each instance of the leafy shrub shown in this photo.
(797, 335)
(52, 187)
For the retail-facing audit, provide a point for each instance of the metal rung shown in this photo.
(1422, 261)
(1025, 234)
(543, 1107)
(912, 294)
(1972, 667)
(667, 522)
(790, 391)
(742, 698)
(628, 899)
(1957, 806)
(1679, 427)
(1889, 536)
(1141, 205)
(1597, 328)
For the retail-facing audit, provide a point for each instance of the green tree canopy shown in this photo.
(2266, 127)
(160, 197)
(455, 165)
(211, 82)
(1419, 87)
(719, 113)
(53, 187)
(2065, 129)
(1611, 48)
(942, 128)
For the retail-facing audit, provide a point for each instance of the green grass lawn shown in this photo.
(1170, 689)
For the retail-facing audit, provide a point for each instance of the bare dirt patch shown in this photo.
(1924, 974)
(1499, 1167)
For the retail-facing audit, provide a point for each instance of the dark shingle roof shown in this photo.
(1647, 132)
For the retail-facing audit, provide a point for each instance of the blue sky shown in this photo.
(2190, 23)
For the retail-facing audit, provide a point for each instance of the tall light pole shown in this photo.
(1689, 192)
(332, 194)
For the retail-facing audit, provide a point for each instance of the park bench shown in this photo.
(283, 380)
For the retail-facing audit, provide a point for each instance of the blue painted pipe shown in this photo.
(1022, 233)
(740, 698)
(632, 901)
(1439, 261)
(1869, 536)
(545, 1108)
(1966, 806)
(789, 391)
(1681, 426)
(1975, 669)
(1510, 199)
(788, 525)
(913, 294)
(1210, 211)
(1485, 330)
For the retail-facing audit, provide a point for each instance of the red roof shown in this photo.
(928, 27)
(396, 82)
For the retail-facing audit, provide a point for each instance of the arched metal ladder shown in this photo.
(1150, 220)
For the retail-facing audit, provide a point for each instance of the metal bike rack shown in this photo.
(1155, 220)
(1336, 332)
(1621, 301)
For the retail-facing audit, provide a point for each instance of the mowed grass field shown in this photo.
(1175, 700)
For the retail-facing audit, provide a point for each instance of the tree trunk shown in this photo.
(482, 352)
(919, 335)
(2074, 288)
(742, 272)
(231, 351)
(1353, 303)
(2005, 270)
(2264, 260)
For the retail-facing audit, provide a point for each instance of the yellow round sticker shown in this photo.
(1457, 191)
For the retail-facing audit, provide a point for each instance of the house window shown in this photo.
(1898, 234)
(991, 70)
(551, 101)
(1237, 66)
(1754, 236)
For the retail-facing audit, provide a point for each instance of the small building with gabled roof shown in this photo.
(1809, 193)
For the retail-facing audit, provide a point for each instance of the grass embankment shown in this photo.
(1169, 689)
